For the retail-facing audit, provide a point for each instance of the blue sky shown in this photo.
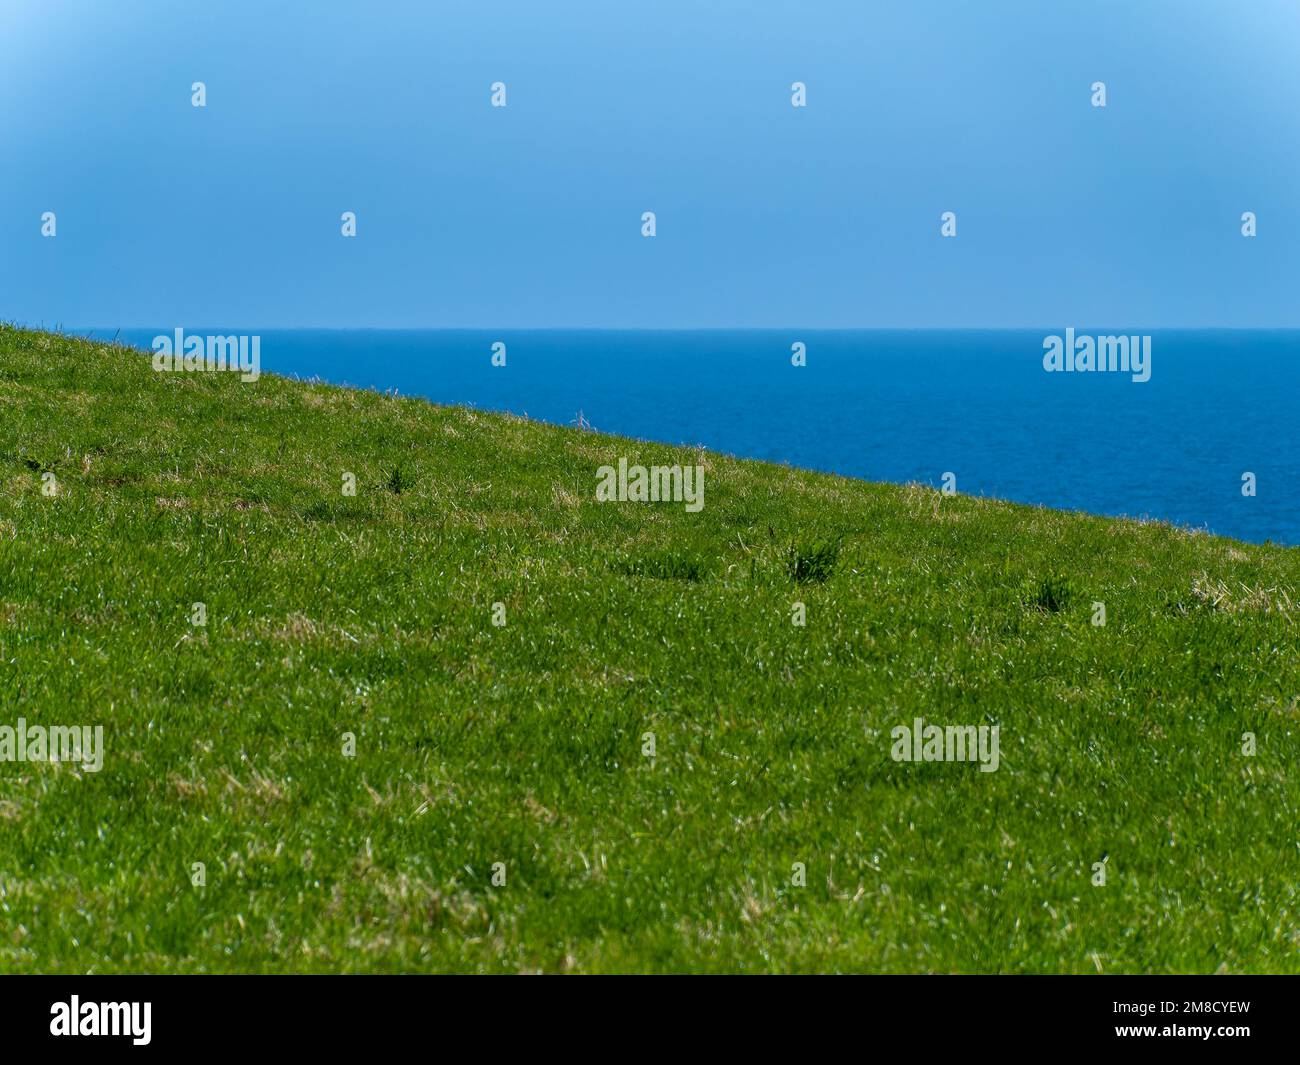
(768, 215)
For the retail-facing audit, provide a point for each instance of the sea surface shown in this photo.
(883, 405)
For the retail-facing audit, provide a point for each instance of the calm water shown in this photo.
(886, 406)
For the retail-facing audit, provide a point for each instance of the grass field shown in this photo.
(522, 744)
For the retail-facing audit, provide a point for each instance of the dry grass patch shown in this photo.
(1219, 595)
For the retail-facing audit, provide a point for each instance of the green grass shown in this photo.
(522, 744)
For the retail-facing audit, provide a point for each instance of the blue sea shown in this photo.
(884, 406)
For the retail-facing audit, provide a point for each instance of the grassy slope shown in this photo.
(522, 744)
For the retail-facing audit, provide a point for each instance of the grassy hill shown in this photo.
(522, 744)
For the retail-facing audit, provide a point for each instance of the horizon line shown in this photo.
(63, 328)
